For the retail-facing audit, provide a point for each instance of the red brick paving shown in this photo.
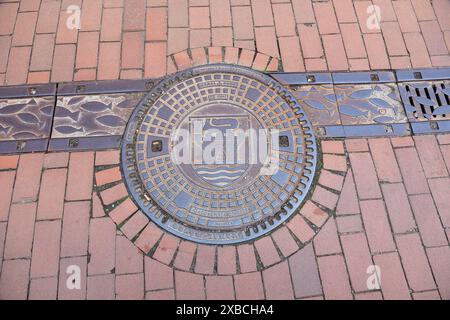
(403, 229)
(134, 39)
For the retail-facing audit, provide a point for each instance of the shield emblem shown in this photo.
(230, 164)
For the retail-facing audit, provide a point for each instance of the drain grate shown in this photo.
(426, 100)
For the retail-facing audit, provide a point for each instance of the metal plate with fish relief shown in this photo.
(25, 118)
(369, 104)
(93, 115)
(224, 202)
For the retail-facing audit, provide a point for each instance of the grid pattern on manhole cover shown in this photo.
(231, 199)
(425, 100)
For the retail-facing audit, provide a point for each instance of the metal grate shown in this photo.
(426, 100)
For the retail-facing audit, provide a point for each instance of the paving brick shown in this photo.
(65, 35)
(356, 145)
(222, 36)
(128, 258)
(277, 282)
(107, 176)
(358, 259)
(166, 249)
(266, 41)
(262, 13)
(249, 286)
(365, 176)
(438, 190)
(14, 280)
(132, 49)
(393, 38)
(316, 64)
(376, 51)
(446, 154)
(219, 288)
(415, 264)
(177, 40)
(155, 59)
(75, 229)
(7, 183)
(51, 196)
(79, 186)
(440, 260)
(371, 295)
(215, 55)
(441, 7)
(134, 15)
(327, 241)
(377, 226)
(430, 156)
(43, 289)
(66, 271)
(199, 56)
(160, 295)
(310, 40)
(398, 207)
(226, 260)
(87, 50)
(8, 15)
(426, 295)
(303, 11)
(399, 142)
(284, 241)
(9, 161)
(325, 198)
(148, 237)
(111, 29)
(63, 63)
(2, 240)
(178, 13)
(16, 72)
(348, 200)
(433, 37)
(246, 58)
(353, 41)
(331, 180)
(384, 159)
(393, 282)
(260, 62)
(417, 50)
(334, 277)
(19, 236)
(101, 287)
(349, 224)
(29, 5)
(130, 286)
(48, 17)
(300, 229)
(38, 77)
(305, 273)
(110, 157)
(345, 11)
(182, 60)
(102, 244)
(28, 177)
(220, 13)
(291, 54)
(326, 18)
(428, 221)
(247, 259)
(5, 44)
(440, 61)
(109, 61)
(406, 16)
(157, 275)
(412, 172)
(366, 17)
(25, 28)
(423, 10)
(46, 245)
(189, 286)
(388, 13)
(134, 225)
(335, 53)
(185, 255)
(199, 18)
(113, 194)
(267, 251)
(284, 19)
(242, 23)
(330, 146)
(206, 256)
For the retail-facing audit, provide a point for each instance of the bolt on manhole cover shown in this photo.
(219, 154)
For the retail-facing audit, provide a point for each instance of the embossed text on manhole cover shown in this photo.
(219, 154)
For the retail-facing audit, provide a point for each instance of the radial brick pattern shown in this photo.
(141, 38)
(390, 209)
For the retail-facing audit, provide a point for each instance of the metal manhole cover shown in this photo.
(219, 154)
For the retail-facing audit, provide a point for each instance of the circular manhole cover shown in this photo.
(219, 154)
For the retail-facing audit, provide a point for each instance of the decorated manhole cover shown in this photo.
(219, 154)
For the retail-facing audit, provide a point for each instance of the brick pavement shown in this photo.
(393, 211)
(139, 38)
